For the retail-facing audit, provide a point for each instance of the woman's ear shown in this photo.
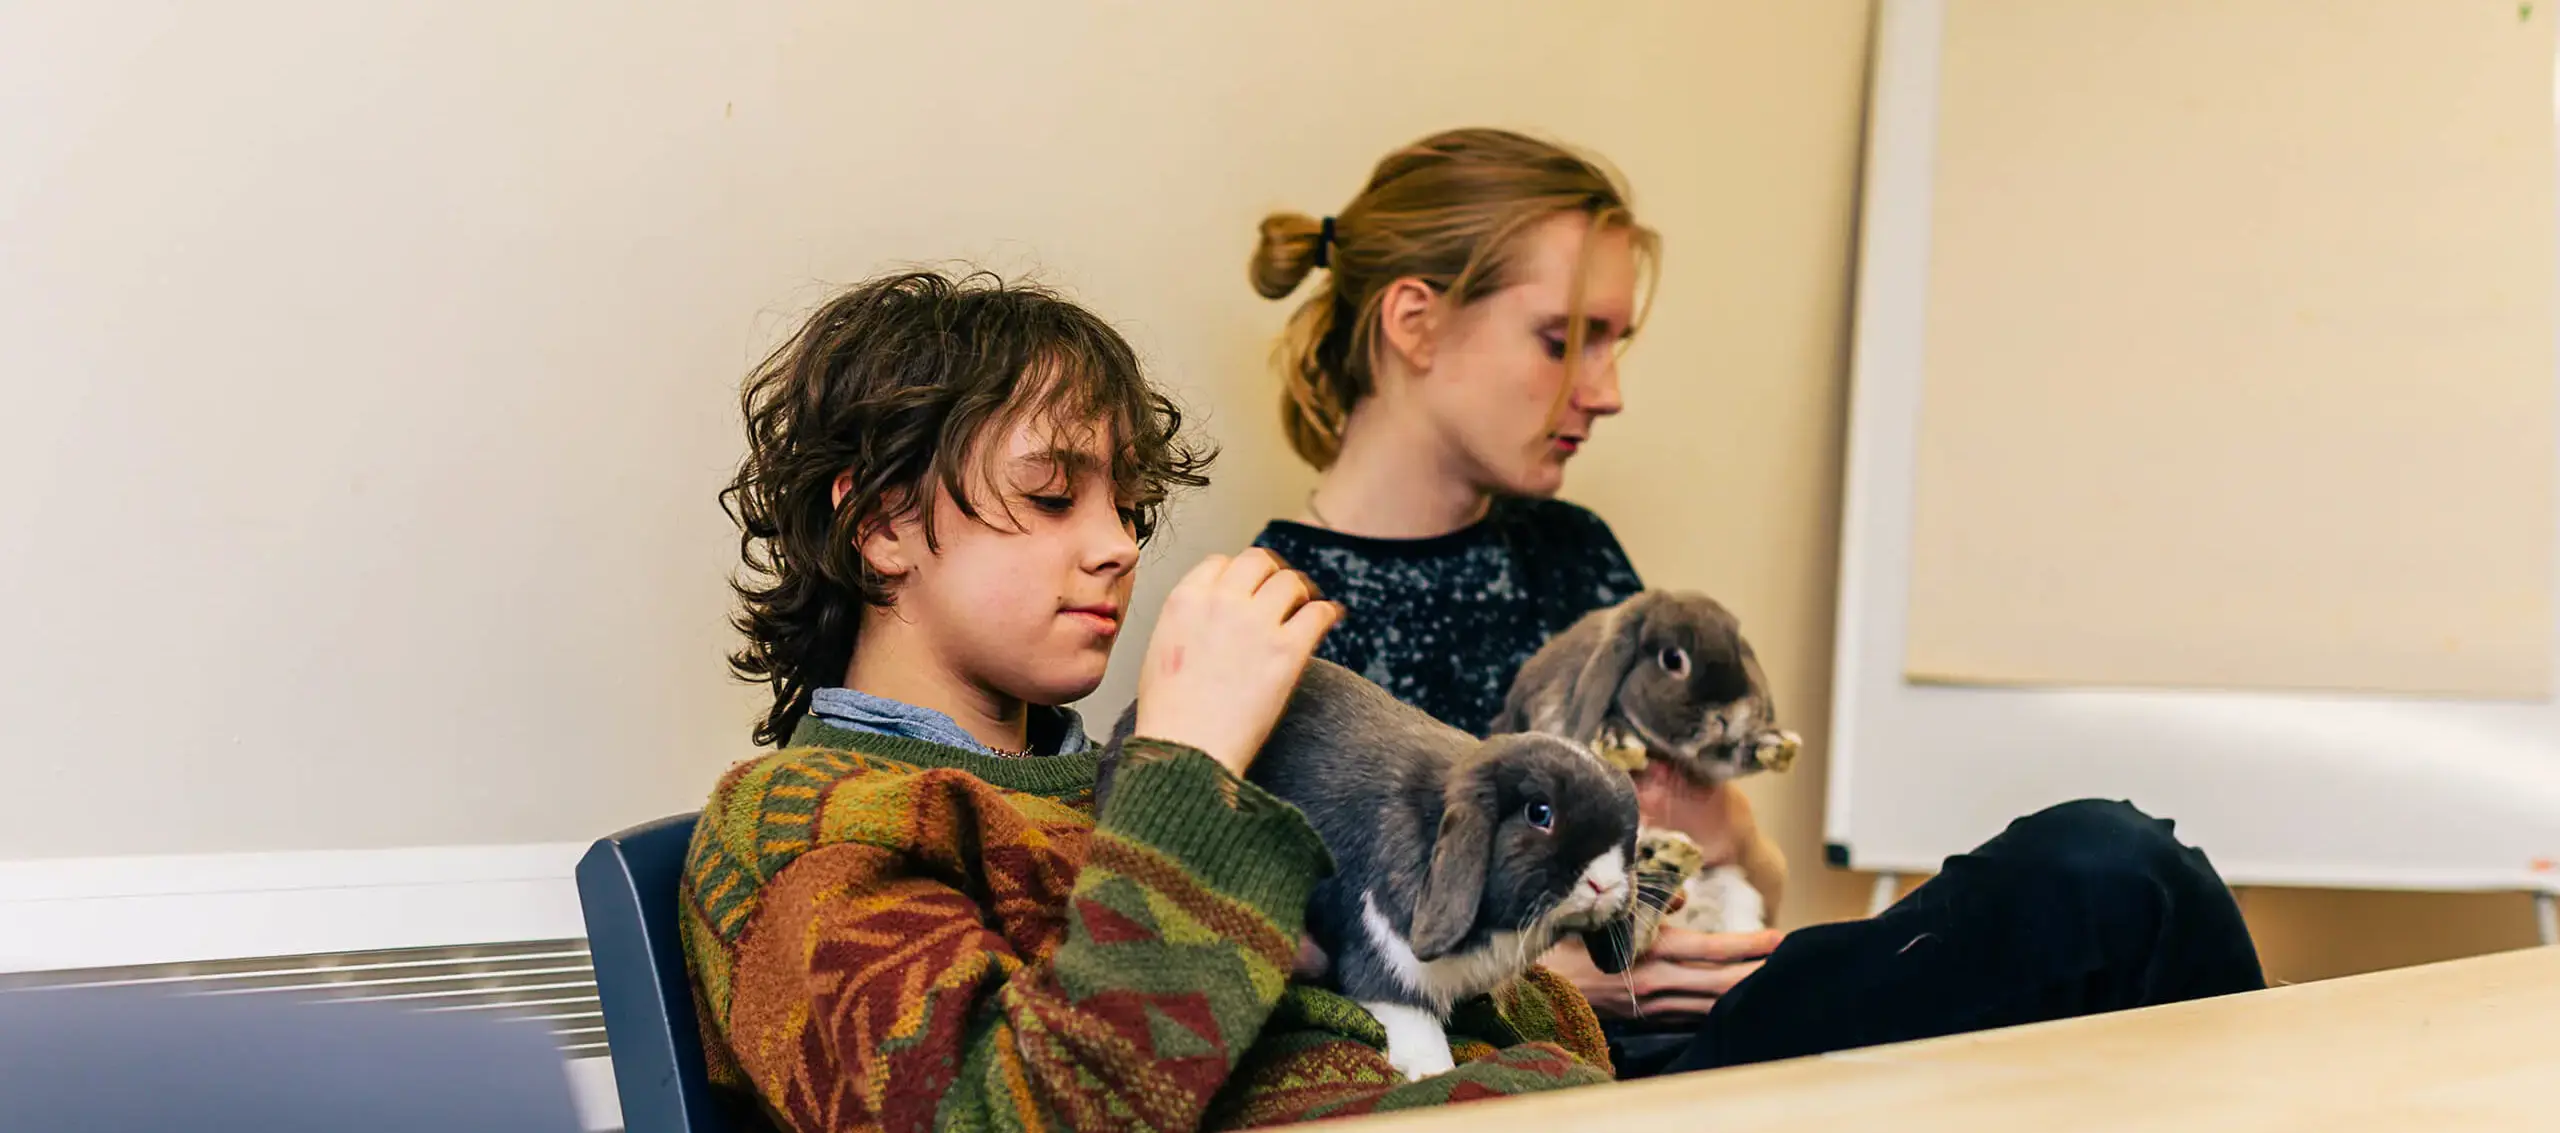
(1409, 318)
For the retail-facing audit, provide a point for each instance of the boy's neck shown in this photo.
(888, 662)
(1393, 480)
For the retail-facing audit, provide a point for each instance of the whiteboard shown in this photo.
(2318, 790)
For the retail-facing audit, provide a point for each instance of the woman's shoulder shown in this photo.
(1345, 565)
(1281, 536)
(1566, 536)
(1563, 548)
(1558, 520)
(1508, 520)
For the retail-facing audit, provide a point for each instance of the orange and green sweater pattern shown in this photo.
(891, 934)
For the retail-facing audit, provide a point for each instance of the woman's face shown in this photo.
(1495, 386)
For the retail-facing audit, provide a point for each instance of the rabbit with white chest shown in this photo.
(1667, 676)
(1457, 861)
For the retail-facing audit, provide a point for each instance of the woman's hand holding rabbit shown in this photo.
(1667, 798)
(1681, 979)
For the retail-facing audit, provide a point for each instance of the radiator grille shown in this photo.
(551, 983)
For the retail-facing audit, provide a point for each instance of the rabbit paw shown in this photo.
(1667, 853)
(1619, 749)
(1665, 861)
(1417, 1041)
(1772, 750)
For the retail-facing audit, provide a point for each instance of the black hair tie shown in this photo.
(1324, 244)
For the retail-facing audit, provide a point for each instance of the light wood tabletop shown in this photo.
(2465, 1045)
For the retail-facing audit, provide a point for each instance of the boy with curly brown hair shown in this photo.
(910, 916)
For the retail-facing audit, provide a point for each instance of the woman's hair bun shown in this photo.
(1285, 256)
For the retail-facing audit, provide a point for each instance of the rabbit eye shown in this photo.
(1540, 815)
(1675, 661)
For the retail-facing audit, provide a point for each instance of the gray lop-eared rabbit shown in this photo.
(1457, 861)
(1667, 673)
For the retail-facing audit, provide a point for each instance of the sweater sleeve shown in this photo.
(921, 1013)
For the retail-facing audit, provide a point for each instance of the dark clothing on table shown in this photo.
(2078, 909)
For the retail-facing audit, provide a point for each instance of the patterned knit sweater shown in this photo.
(892, 934)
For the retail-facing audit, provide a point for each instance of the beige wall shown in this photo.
(370, 368)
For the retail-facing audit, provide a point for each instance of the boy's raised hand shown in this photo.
(1227, 649)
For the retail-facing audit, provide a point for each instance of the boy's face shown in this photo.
(1026, 607)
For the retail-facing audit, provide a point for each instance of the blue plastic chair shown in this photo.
(627, 889)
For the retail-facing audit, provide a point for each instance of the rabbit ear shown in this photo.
(1595, 688)
(1450, 895)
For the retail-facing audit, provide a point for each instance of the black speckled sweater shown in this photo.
(1444, 622)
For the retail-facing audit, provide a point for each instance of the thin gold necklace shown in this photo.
(1321, 521)
(1482, 506)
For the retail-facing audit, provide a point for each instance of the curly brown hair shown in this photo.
(894, 384)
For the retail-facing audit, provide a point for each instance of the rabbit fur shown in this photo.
(1668, 675)
(1445, 883)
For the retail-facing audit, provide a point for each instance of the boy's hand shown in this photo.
(1233, 637)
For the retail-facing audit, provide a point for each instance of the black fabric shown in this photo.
(1444, 622)
(2078, 909)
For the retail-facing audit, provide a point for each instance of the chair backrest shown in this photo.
(627, 888)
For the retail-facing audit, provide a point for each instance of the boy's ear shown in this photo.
(1408, 314)
(888, 551)
(885, 549)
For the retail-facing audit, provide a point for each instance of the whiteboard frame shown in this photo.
(2330, 791)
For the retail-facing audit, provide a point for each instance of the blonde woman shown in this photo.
(1459, 347)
